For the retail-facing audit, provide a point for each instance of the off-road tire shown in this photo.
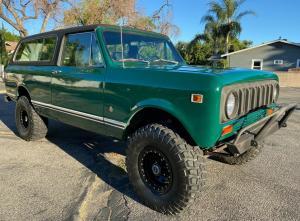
(187, 164)
(243, 158)
(36, 125)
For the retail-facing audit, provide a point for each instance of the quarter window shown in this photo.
(38, 50)
(96, 58)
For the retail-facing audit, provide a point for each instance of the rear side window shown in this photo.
(37, 50)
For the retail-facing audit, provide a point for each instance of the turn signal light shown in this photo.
(226, 130)
(197, 98)
(270, 111)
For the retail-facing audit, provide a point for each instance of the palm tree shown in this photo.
(224, 16)
(212, 32)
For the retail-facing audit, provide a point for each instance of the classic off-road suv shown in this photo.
(134, 85)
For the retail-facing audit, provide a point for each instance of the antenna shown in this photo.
(122, 47)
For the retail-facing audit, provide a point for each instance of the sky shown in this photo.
(273, 19)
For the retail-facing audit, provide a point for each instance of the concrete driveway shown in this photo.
(78, 175)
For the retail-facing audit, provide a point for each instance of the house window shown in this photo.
(257, 64)
(278, 62)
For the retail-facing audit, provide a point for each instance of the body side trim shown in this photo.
(86, 116)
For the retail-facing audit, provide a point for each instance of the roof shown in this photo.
(66, 30)
(261, 45)
(85, 28)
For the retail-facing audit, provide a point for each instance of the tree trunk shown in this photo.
(45, 22)
(227, 43)
(23, 32)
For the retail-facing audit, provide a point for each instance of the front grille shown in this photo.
(250, 119)
(251, 96)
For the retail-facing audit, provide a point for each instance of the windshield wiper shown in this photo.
(165, 60)
(134, 60)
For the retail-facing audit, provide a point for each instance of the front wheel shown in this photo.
(166, 172)
(29, 124)
(249, 155)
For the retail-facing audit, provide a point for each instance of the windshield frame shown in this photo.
(164, 38)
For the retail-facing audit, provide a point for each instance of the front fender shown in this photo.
(201, 121)
(163, 105)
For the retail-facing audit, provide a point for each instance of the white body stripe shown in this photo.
(10, 94)
(83, 115)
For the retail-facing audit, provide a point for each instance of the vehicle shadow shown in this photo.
(103, 156)
(7, 113)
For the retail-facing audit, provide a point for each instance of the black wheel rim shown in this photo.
(24, 119)
(155, 170)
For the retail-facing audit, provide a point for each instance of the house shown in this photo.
(10, 46)
(278, 55)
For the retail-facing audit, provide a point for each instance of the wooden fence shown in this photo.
(289, 79)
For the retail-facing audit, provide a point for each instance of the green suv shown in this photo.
(134, 85)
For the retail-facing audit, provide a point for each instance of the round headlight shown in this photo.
(231, 105)
(276, 93)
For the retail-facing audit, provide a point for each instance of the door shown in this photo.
(298, 63)
(77, 82)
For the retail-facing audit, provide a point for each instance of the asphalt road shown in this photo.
(77, 175)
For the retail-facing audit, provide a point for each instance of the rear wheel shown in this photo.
(29, 124)
(166, 173)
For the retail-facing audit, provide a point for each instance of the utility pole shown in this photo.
(1, 49)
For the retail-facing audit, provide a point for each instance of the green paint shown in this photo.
(119, 93)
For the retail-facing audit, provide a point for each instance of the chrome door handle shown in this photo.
(56, 72)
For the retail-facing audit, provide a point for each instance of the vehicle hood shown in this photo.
(192, 75)
(227, 76)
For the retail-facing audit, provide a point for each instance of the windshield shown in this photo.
(140, 48)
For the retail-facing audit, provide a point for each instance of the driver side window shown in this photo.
(81, 50)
